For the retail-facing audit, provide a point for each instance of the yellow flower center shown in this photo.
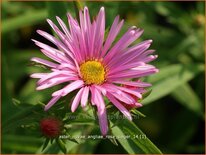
(92, 72)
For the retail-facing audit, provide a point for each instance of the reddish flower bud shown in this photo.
(51, 127)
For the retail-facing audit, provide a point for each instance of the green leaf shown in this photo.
(137, 141)
(27, 19)
(45, 143)
(21, 143)
(22, 116)
(169, 78)
(188, 98)
(184, 126)
(16, 102)
(137, 113)
(57, 9)
(61, 145)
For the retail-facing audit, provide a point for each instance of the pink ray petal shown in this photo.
(76, 100)
(38, 75)
(129, 37)
(114, 30)
(85, 95)
(119, 106)
(67, 42)
(52, 102)
(64, 28)
(44, 62)
(103, 122)
(99, 102)
(99, 32)
(55, 81)
(135, 84)
(69, 88)
(52, 53)
(56, 42)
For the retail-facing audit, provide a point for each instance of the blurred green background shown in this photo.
(174, 111)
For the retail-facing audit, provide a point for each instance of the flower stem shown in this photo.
(77, 6)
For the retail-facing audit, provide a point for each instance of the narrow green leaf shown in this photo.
(188, 98)
(21, 143)
(78, 6)
(16, 102)
(184, 126)
(169, 78)
(22, 116)
(61, 145)
(137, 113)
(137, 142)
(45, 143)
(27, 19)
(146, 94)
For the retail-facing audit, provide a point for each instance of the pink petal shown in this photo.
(69, 88)
(75, 34)
(135, 84)
(65, 39)
(133, 73)
(38, 75)
(55, 81)
(52, 53)
(56, 42)
(99, 32)
(44, 62)
(76, 100)
(149, 58)
(130, 55)
(65, 66)
(85, 95)
(103, 122)
(124, 67)
(64, 27)
(119, 106)
(57, 74)
(130, 91)
(52, 102)
(101, 89)
(124, 97)
(101, 109)
(146, 53)
(114, 30)
(130, 36)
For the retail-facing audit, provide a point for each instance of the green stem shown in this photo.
(77, 6)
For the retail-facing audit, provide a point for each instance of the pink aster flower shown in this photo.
(87, 61)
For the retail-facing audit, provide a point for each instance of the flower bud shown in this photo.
(51, 127)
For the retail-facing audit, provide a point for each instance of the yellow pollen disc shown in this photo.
(92, 72)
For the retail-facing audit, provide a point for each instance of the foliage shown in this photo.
(174, 111)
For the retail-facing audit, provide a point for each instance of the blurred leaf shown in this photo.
(27, 19)
(188, 98)
(80, 119)
(46, 142)
(194, 149)
(169, 78)
(137, 113)
(21, 143)
(61, 145)
(8, 7)
(51, 148)
(137, 142)
(22, 116)
(78, 5)
(88, 147)
(57, 9)
(183, 126)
